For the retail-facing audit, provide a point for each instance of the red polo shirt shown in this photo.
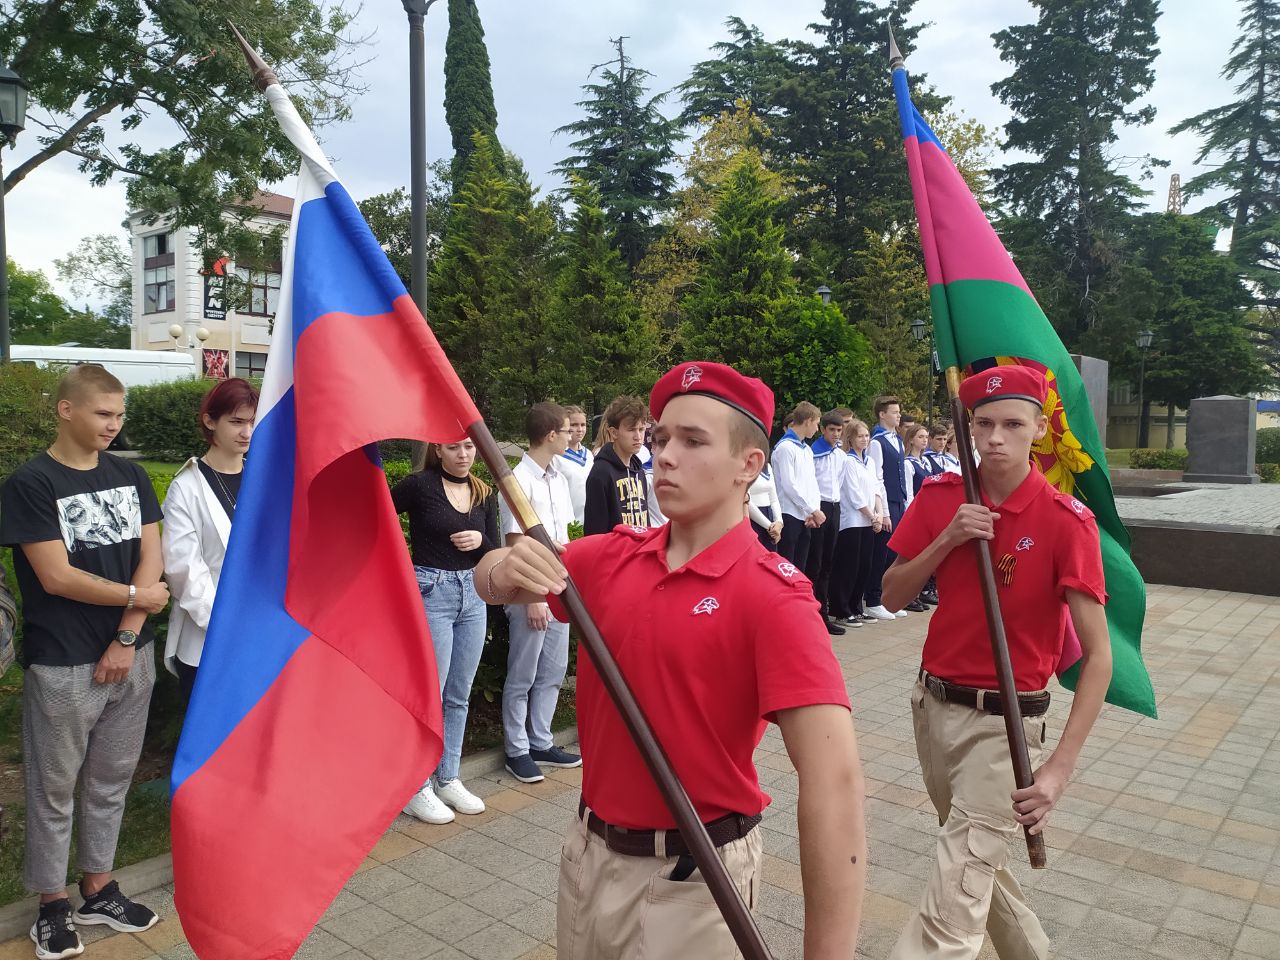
(1049, 544)
(712, 651)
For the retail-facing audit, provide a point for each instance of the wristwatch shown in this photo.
(126, 638)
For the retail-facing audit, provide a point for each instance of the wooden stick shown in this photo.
(741, 924)
(1022, 773)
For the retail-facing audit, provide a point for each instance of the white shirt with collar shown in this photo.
(575, 465)
(794, 476)
(548, 491)
(828, 469)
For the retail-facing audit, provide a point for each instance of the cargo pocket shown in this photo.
(969, 897)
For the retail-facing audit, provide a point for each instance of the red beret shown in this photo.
(1011, 382)
(747, 395)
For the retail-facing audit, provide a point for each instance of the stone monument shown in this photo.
(1095, 373)
(1221, 433)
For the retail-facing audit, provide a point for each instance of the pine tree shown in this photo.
(624, 145)
(1078, 73)
(468, 88)
(614, 350)
(1245, 136)
(745, 70)
(746, 310)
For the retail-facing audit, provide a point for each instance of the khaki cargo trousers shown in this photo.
(617, 907)
(964, 757)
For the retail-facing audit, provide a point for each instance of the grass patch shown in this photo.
(1118, 457)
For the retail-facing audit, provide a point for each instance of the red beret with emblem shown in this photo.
(747, 395)
(1012, 382)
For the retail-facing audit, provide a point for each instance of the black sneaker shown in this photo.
(524, 769)
(834, 630)
(54, 934)
(117, 911)
(915, 606)
(555, 757)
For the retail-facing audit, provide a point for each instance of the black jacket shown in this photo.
(615, 493)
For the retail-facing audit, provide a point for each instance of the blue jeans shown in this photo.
(536, 666)
(457, 618)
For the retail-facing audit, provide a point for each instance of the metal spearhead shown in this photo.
(896, 58)
(263, 76)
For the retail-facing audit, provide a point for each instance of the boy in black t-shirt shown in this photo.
(85, 528)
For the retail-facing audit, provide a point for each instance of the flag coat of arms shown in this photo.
(985, 314)
(316, 712)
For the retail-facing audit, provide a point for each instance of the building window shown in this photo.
(262, 289)
(157, 245)
(250, 364)
(157, 289)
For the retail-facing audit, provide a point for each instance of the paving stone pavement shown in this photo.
(1166, 845)
(1253, 507)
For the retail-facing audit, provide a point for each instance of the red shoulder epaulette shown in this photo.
(783, 569)
(635, 533)
(945, 477)
(1074, 505)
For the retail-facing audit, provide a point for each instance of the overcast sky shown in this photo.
(541, 53)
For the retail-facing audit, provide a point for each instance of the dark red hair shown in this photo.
(225, 399)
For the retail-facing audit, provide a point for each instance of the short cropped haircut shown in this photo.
(624, 409)
(801, 412)
(834, 418)
(939, 430)
(844, 412)
(573, 408)
(745, 434)
(850, 431)
(223, 400)
(84, 379)
(882, 403)
(543, 418)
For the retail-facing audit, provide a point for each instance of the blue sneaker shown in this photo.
(524, 769)
(555, 757)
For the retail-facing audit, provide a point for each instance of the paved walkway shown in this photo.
(1167, 845)
(1254, 507)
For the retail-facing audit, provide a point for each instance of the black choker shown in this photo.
(452, 479)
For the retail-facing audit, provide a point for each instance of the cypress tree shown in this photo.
(468, 88)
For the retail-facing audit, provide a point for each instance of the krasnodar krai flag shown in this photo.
(316, 713)
(984, 314)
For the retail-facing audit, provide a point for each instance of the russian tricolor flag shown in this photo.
(316, 712)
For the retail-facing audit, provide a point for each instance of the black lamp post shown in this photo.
(13, 119)
(417, 11)
(1144, 344)
(920, 330)
(825, 293)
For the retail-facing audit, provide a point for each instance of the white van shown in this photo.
(134, 368)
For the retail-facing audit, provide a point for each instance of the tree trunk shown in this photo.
(1168, 427)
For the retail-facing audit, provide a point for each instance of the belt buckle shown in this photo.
(935, 687)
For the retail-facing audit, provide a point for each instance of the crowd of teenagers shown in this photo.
(718, 566)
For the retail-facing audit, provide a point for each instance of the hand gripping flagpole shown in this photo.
(1022, 774)
(727, 897)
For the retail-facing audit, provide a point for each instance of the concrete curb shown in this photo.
(16, 918)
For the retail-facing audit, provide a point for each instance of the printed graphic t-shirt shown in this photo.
(98, 515)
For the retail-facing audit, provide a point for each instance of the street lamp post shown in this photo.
(417, 11)
(13, 118)
(919, 330)
(825, 293)
(1144, 344)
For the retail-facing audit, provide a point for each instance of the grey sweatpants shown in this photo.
(75, 729)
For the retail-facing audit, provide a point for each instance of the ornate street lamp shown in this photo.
(13, 120)
(825, 293)
(919, 331)
(417, 12)
(1144, 344)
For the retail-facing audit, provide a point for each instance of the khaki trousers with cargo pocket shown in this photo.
(617, 907)
(971, 894)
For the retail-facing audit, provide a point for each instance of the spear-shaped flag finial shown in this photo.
(263, 76)
(896, 59)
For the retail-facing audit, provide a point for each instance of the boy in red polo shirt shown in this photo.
(1049, 566)
(728, 638)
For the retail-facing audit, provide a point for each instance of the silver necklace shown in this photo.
(217, 476)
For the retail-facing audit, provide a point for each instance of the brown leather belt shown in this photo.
(643, 843)
(988, 701)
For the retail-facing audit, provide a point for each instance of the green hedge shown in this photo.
(1158, 459)
(163, 419)
(1267, 447)
(28, 421)
(1269, 472)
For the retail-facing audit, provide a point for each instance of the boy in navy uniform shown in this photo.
(889, 455)
(728, 639)
(1045, 544)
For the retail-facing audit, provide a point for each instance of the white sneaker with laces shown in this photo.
(426, 806)
(899, 614)
(454, 794)
(879, 612)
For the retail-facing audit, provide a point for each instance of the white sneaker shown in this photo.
(426, 806)
(899, 614)
(459, 797)
(879, 612)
